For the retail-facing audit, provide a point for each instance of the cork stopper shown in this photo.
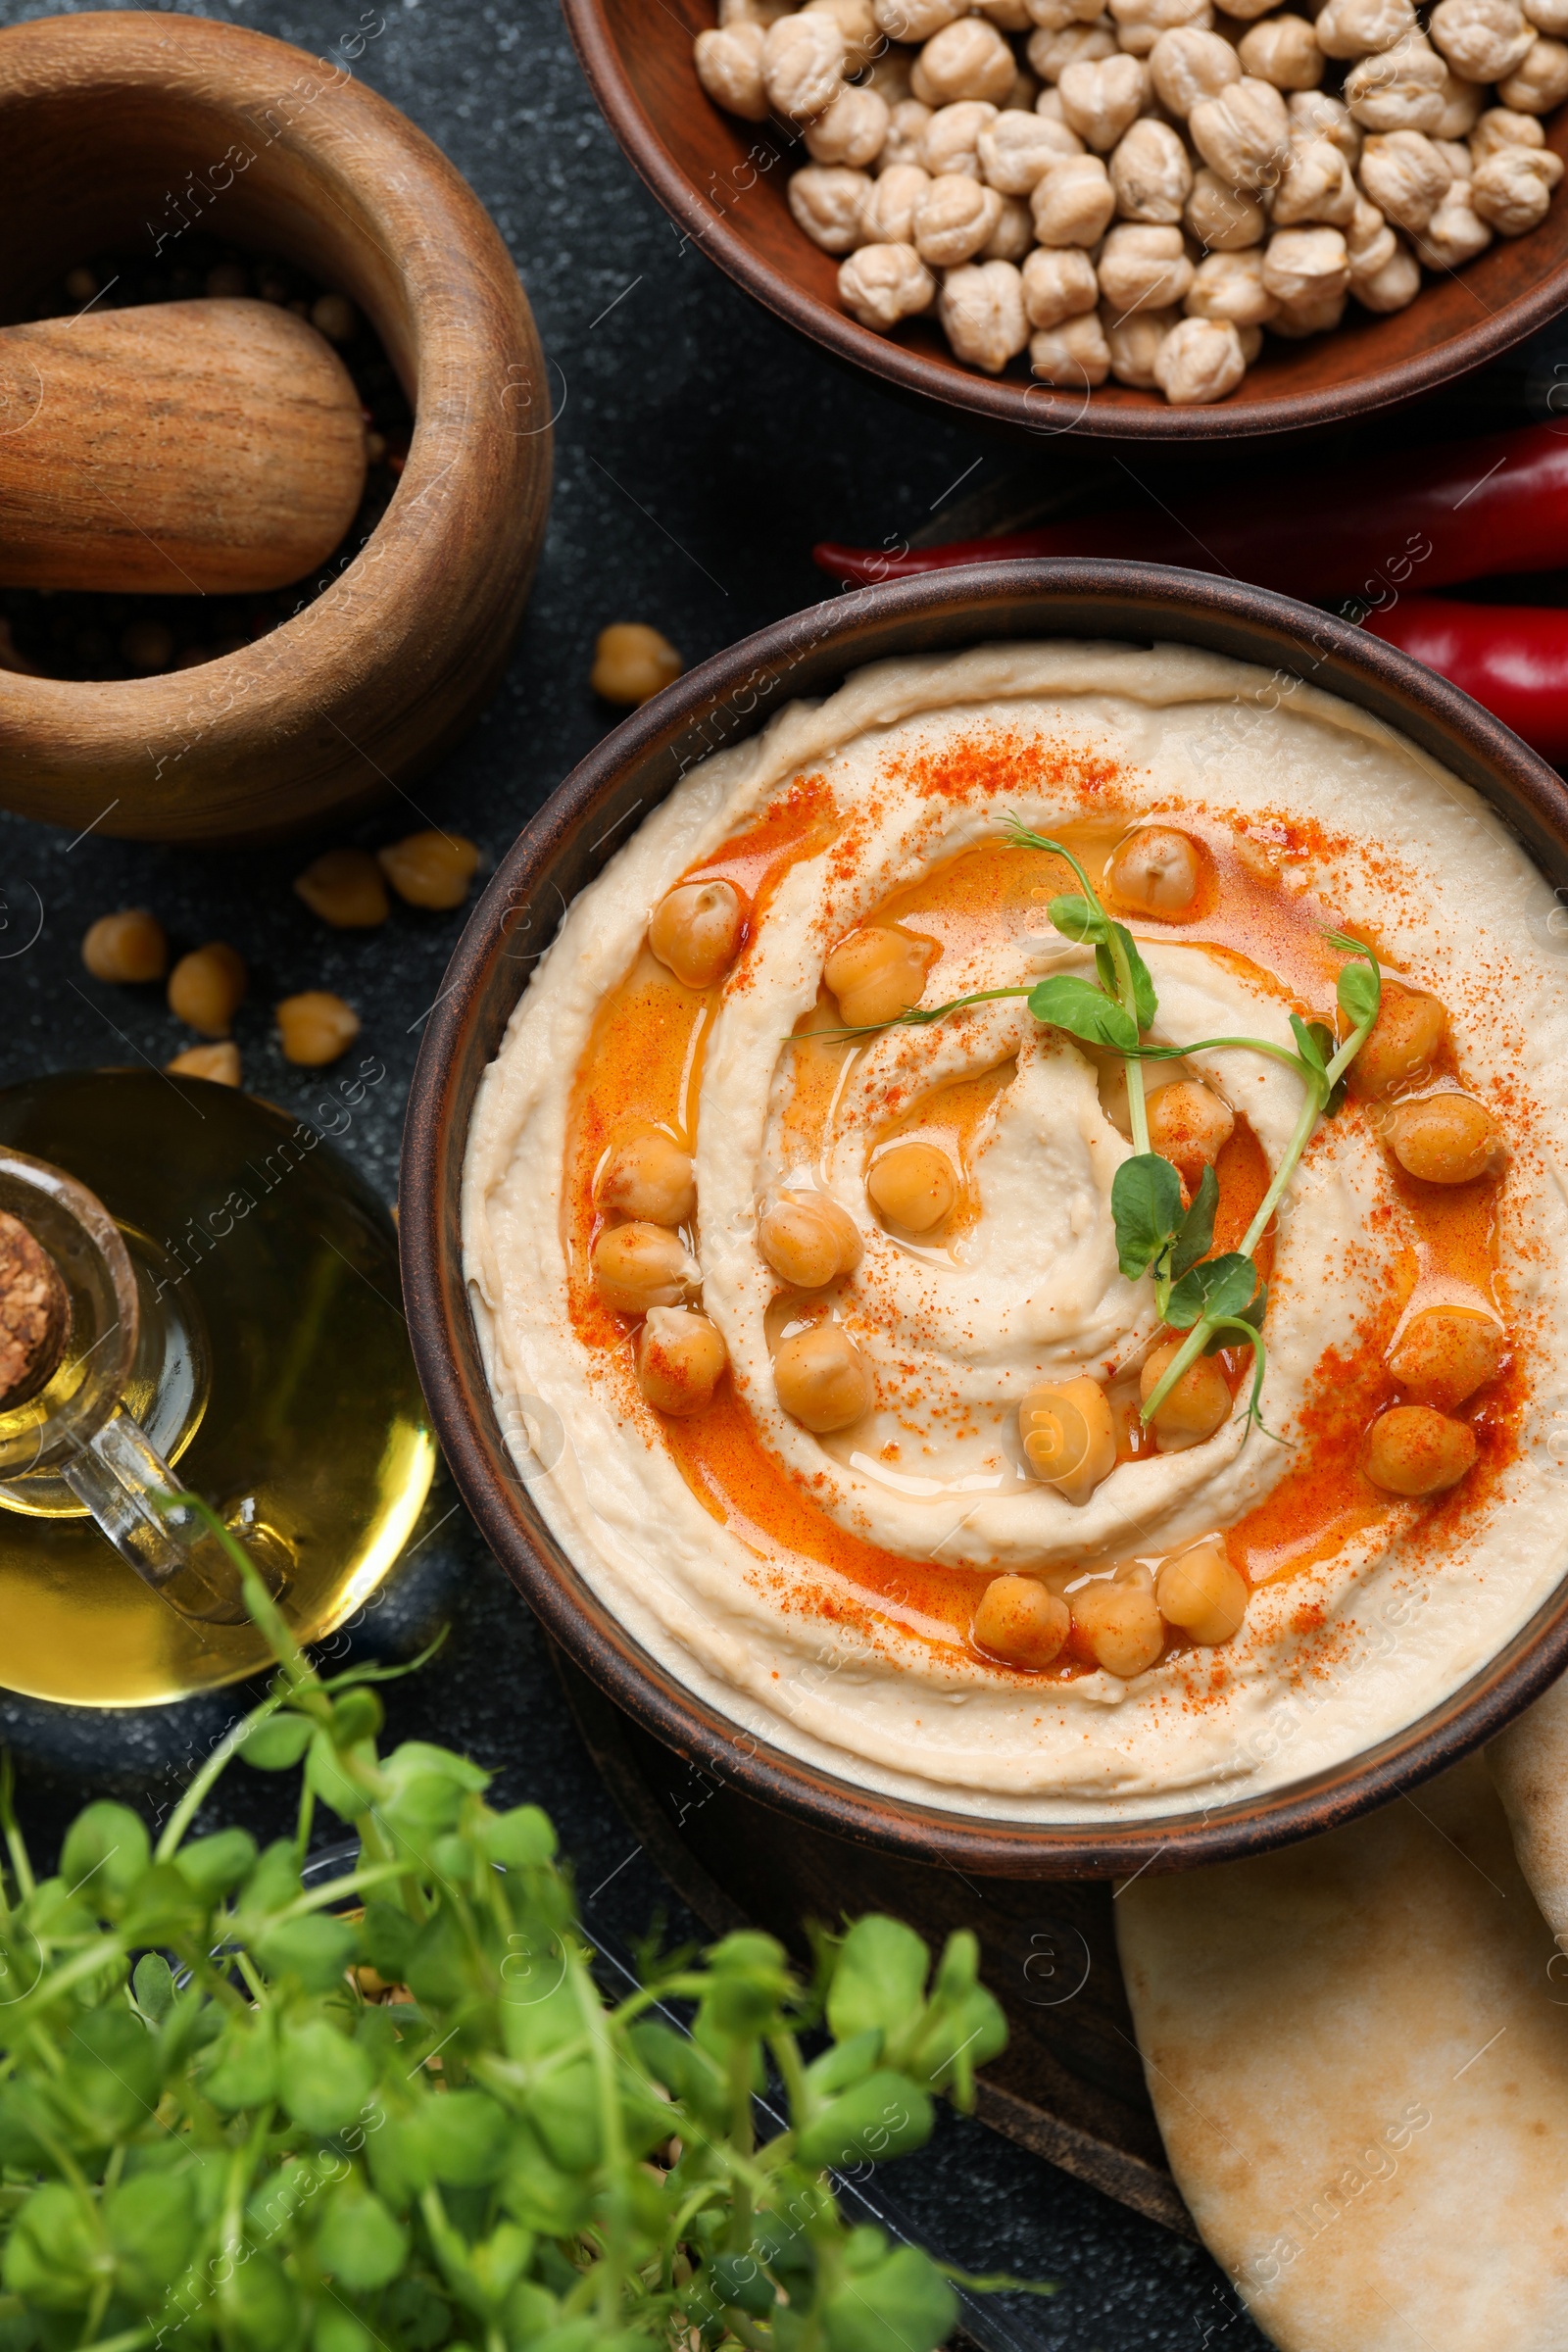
(34, 1314)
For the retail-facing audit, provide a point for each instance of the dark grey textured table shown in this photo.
(701, 448)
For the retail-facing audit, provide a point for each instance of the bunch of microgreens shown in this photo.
(1218, 1302)
(214, 2132)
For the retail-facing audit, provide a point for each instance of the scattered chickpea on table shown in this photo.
(1140, 191)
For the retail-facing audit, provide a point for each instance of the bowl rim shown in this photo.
(719, 702)
(1031, 408)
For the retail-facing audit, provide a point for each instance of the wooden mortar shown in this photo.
(119, 130)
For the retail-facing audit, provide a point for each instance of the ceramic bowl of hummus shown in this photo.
(985, 1218)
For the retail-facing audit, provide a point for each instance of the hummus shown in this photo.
(823, 1585)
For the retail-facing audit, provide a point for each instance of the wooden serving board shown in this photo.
(1070, 2086)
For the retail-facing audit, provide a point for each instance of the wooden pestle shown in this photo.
(181, 448)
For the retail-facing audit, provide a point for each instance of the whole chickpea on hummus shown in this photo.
(1034, 1187)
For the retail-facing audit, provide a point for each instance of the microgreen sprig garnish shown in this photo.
(1206, 1297)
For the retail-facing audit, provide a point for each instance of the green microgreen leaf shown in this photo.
(1077, 920)
(1083, 1010)
(1217, 1287)
(1196, 1235)
(1359, 992)
(1146, 1204)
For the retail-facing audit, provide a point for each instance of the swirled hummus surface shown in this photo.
(824, 1587)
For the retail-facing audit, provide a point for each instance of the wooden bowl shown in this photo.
(723, 182)
(567, 845)
(122, 130)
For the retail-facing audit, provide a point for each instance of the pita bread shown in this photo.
(1529, 1767)
(1361, 2071)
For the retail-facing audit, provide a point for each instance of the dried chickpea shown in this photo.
(680, 1358)
(1075, 203)
(1444, 1138)
(950, 141)
(1229, 285)
(345, 888)
(1017, 150)
(1315, 185)
(1296, 319)
(821, 1378)
(633, 661)
(1455, 232)
(1202, 1593)
(1050, 52)
(803, 58)
(877, 973)
(1548, 17)
(1008, 16)
(1056, 16)
(853, 131)
(1187, 65)
(1196, 1406)
(126, 946)
(1314, 115)
(1392, 286)
(856, 21)
(1133, 339)
(1399, 89)
(1281, 50)
(316, 1027)
(1410, 1028)
(1405, 176)
(1068, 1436)
(967, 59)
(1190, 1126)
(1444, 1353)
(1059, 283)
(1352, 28)
(953, 219)
(1513, 187)
(908, 122)
(828, 200)
(882, 284)
(206, 987)
(696, 930)
(914, 19)
(1155, 871)
(639, 1266)
(1150, 173)
(429, 869)
(1223, 219)
(646, 1174)
(1307, 266)
(1143, 268)
(219, 1064)
(1011, 238)
(1369, 242)
(1242, 134)
(729, 67)
(1483, 40)
(1141, 23)
(1021, 1620)
(887, 216)
(1120, 1623)
(1201, 360)
(1103, 97)
(1501, 126)
(1073, 355)
(1413, 1450)
(981, 310)
(809, 1240)
(1463, 102)
(913, 1185)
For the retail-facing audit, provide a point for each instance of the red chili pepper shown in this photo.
(1514, 658)
(1470, 508)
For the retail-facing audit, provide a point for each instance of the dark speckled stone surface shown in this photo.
(700, 451)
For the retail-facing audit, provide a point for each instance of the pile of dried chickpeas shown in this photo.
(1140, 190)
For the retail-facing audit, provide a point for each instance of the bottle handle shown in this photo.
(125, 1482)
